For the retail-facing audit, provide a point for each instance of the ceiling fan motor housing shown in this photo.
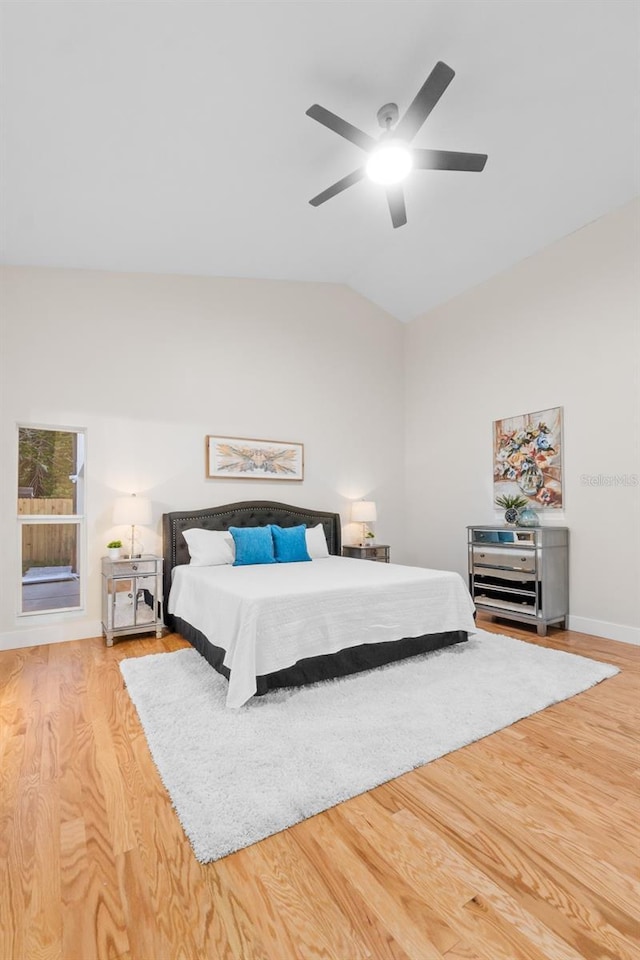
(388, 115)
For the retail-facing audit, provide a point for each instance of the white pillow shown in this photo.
(209, 548)
(316, 542)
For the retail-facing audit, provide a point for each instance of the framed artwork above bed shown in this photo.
(237, 458)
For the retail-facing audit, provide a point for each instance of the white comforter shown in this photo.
(268, 617)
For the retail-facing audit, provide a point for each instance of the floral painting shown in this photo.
(527, 457)
(235, 458)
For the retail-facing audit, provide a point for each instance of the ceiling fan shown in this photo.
(391, 158)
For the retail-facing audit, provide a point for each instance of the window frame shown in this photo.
(53, 519)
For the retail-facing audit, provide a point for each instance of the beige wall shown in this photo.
(151, 364)
(558, 329)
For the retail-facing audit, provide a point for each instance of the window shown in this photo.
(51, 518)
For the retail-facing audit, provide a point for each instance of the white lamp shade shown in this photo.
(363, 511)
(132, 510)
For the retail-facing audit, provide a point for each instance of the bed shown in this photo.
(290, 624)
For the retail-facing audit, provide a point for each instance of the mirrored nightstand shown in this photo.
(131, 597)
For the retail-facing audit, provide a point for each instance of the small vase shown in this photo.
(528, 518)
(113, 553)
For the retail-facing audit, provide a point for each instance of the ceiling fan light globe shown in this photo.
(389, 163)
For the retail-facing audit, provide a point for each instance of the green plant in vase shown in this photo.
(114, 547)
(511, 503)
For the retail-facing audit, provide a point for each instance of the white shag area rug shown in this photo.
(238, 776)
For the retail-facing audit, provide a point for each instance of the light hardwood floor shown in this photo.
(522, 846)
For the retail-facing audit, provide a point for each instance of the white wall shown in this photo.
(558, 329)
(151, 364)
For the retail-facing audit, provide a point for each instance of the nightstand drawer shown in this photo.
(130, 568)
(380, 552)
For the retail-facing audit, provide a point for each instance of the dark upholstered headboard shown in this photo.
(247, 513)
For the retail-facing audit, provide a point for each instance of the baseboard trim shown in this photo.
(52, 633)
(601, 628)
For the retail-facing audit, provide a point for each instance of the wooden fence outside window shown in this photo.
(48, 544)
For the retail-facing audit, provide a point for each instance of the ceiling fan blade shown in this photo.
(424, 101)
(338, 187)
(395, 196)
(448, 160)
(341, 127)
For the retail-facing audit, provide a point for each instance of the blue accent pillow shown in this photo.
(253, 545)
(290, 543)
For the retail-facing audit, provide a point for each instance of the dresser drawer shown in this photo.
(505, 558)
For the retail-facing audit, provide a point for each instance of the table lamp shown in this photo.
(134, 511)
(364, 512)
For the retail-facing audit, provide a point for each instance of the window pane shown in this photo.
(50, 577)
(49, 465)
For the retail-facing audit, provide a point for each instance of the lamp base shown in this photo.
(136, 549)
(366, 540)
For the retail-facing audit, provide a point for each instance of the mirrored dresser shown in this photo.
(520, 573)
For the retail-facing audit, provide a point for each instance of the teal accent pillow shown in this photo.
(253, 545)
(290, 543)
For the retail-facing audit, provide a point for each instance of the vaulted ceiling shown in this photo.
(171, 137)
